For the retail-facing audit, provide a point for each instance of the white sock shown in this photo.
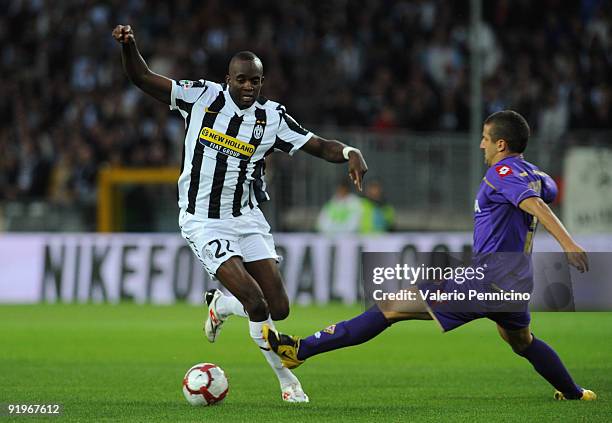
(228, 305)
(284, 375)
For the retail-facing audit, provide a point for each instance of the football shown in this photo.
(205, 384)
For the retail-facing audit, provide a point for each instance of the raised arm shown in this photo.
(336, 152)
(135, 67)
(576, 255)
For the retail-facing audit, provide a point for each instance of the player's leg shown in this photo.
(236, 279)
(223, 259)
(255, 244)
(244, 289)
(261, 261)
(293, 350)
(267, 275)
(220, 307)
(545, 361)
(369, 324)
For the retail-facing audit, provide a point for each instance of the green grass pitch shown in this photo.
(125, 363)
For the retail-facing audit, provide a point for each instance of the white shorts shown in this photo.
(215, 240)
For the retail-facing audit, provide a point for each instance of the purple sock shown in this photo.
(548, 364)
(349, 332)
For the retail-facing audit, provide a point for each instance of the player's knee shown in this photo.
(520, 343)
(518, 340)
(280, 311)
(519, 348)
(257, 308)
(279, 306)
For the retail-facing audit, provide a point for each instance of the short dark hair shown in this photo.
(247, 56)
(510, 126)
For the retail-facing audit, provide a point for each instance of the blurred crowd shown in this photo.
(384, 65)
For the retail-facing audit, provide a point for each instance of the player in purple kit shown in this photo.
(510, 202)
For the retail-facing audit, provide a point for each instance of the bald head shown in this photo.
(244, 78)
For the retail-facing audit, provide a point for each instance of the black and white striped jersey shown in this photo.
(222, 171)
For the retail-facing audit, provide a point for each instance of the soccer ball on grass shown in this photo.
(205, 384)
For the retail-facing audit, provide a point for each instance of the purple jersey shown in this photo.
(499, 224)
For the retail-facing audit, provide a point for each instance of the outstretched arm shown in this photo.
(334, 151)
(135, 67)
(576, 255)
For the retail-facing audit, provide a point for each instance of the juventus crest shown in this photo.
(258, 131)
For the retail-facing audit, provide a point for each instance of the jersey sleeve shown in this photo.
(509, 184)
(185, 93)
(291, 136)
(549, 188)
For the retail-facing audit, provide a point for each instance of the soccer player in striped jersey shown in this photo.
(230, 129)
(510, 202)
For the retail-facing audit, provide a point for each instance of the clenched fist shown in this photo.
(123, 34)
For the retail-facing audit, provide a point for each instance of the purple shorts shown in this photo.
(452, 314)
(510, 320)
